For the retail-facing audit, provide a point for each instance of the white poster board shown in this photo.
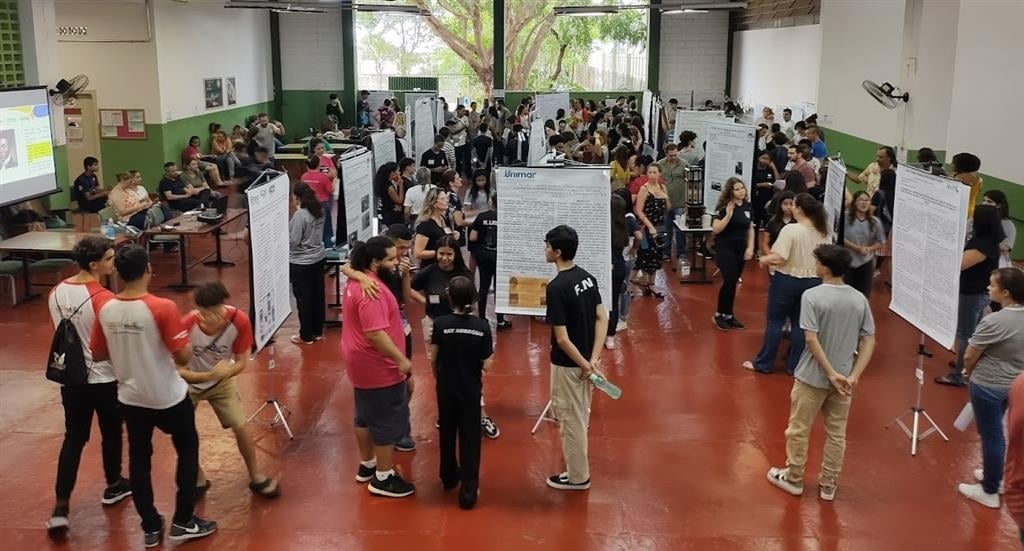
(438, 110)
(538, 144)
(360, 204)
(547, 106)
(422, 133)
(268, 249)
(377, 98)
(696, 122)
(533, 201)
(383, 148)
(835, 186)
(928, 234)
(730, 154)
(645, 103)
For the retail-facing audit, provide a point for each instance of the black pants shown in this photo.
(459, 417)
(179, 422)
(860, 278)
(487, 263)
(729, 258)
(619, 275)
(308, 287)
(463, 160)
(80, 401)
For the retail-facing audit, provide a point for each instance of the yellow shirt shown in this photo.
(870, 177)
(620, 175)
(972, 179)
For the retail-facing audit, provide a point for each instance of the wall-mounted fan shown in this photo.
(886, 94)
(67, 90)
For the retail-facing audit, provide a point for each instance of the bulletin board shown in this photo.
(123, 124)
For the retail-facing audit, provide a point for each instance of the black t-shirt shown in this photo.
(433, 233)
(572, 300)
(386, 206)
(454, 205)
(432, 160)
(463, 343)
(432, 281)
(486, 228)
(86, 184)
(774, 227)
(738, 225)
(176, 187)
(974, 280)
(761, 175)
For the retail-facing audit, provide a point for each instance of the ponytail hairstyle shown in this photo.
(363, 254)
(461, 293)
(307, 199)
(814, 210)
(422, 177)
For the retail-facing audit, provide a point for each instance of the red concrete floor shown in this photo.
(678, 463)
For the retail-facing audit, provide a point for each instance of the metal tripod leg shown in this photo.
(917, 410)
(280, 416)
(543, 417)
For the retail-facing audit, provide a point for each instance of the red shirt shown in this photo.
(636, 183)
(320, 183)
(368, 368)
(327, 164)
(188, 154)
(1013, 473)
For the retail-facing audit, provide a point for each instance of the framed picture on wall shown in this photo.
(213, 89)
(232, 94)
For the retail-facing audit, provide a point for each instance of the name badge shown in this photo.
(430, 162)
(447, 230)
(434, 299)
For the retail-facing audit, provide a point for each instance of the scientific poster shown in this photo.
(383, 148)
(928, 235)
(360, 204)
(534, 200)
(268, 231)
(697, 122)
(538, 144)
(730, 154)
(422, 132)
(835, 185)
(547, 106)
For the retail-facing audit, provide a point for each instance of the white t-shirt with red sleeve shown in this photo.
(140, 336)
(368, 368)
(206, 354)
(67, 297)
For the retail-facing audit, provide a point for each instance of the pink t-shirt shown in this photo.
(188, 154)
(327, 164)
(321, 184)
(367, 368)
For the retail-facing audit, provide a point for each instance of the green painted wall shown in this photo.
(302, 109)
(60, 161)
(175, 134)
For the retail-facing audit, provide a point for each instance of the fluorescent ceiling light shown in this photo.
(586, 11)
(676, 11)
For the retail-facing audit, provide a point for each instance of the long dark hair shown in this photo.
(307, 199)
(450, 242)
(1002, 203)
(814, 210)
(795, 183)
(782, 197)
(987, 223)
(728, 193)
(363, 254)
(473, 190)
(620, 231)
(853, 209)
(621, 154)
(381, 181)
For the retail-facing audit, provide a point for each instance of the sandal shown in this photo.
(264, 489)
(947, 380)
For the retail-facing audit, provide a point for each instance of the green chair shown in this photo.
(9, 269)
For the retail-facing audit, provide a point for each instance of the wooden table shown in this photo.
(699, 234)
(45, 242)
(187, 225)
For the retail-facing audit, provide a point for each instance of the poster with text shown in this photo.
(268, 242)
(538, 145)
(697, 122)
(835, 187)
(547, 106)
(730, 154)
(360, 204)
(928, 234)
(383, 148)
(422, 132)
(533, 201)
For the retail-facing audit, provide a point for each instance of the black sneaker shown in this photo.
(561, 482)
(393, 486)
(467, 500)
(116, 492)
(490, 429)
(504, 324)
(58, 524)
(365, 473)
(153, 539)
(735, 323)
(721, 322)
(194, 529)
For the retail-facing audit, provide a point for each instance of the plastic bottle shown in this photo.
(684, 268)
(108, 229)
(604, 385)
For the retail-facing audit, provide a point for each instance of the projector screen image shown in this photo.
(26, 146)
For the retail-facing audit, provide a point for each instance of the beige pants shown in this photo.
(806, 402)
(570, 403)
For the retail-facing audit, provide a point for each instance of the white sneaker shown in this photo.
(609, 343)
(778, 477)
(979, 475)
(977, 493)
(621, 326)
(827, 493)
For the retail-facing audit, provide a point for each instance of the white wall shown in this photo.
(37, 20)
(311, 51)
(986, 116)
(776, 66)
(197, 41)
(694, 52)
(930, 88)
(861, 40)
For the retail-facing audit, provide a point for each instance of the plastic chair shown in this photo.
(9, 269)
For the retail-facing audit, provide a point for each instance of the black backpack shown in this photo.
(66, 364)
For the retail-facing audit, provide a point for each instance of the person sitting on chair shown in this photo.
(179, 195)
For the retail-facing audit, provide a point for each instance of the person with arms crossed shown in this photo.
(578, 323)
(79, 298)
(221, 337)
(144, 340)
(86, 190)
(840, 335)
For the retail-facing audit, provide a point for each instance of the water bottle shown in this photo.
(108, 230)
(684, 268)
(604, 385)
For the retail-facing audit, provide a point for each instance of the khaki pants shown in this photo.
(806, 402)
(570, 403)
(225, 401)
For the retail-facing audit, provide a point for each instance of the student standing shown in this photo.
(431, 226)
(80, 298)
(734, 244)
(306, 264)
(144, 340)
(840, 335)
(651, 204)
(1013, 478)
(323, 188)
(483, 240)
(620, 271)
(461, 349)
(579, 324)
(863, 236)
(435, 160)
(390, 192)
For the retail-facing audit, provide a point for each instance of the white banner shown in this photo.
(538, 144)
(645, 103)
(533, 201)
(928, 234)
(697, 122)
(422, 132)
(438, 110)
(730, 154)
(360, 205)
(383, 148)
(268, 250)
(547, 106)
(654, 122)
(835, 186)
(412, 97)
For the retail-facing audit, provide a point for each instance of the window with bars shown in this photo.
(12, 71)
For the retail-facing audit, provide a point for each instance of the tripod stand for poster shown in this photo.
(917, 410)
(281, 412)
(544, 416)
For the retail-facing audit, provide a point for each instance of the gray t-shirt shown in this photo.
(264, 137)
(864, 233)
(306, 238)
(840, 315)
(1000, 337)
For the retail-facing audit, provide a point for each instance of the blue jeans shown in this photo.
(328, 226)
(968, 316)
(784, 295)
(626, 297)
(989, 406)
(672, 231)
